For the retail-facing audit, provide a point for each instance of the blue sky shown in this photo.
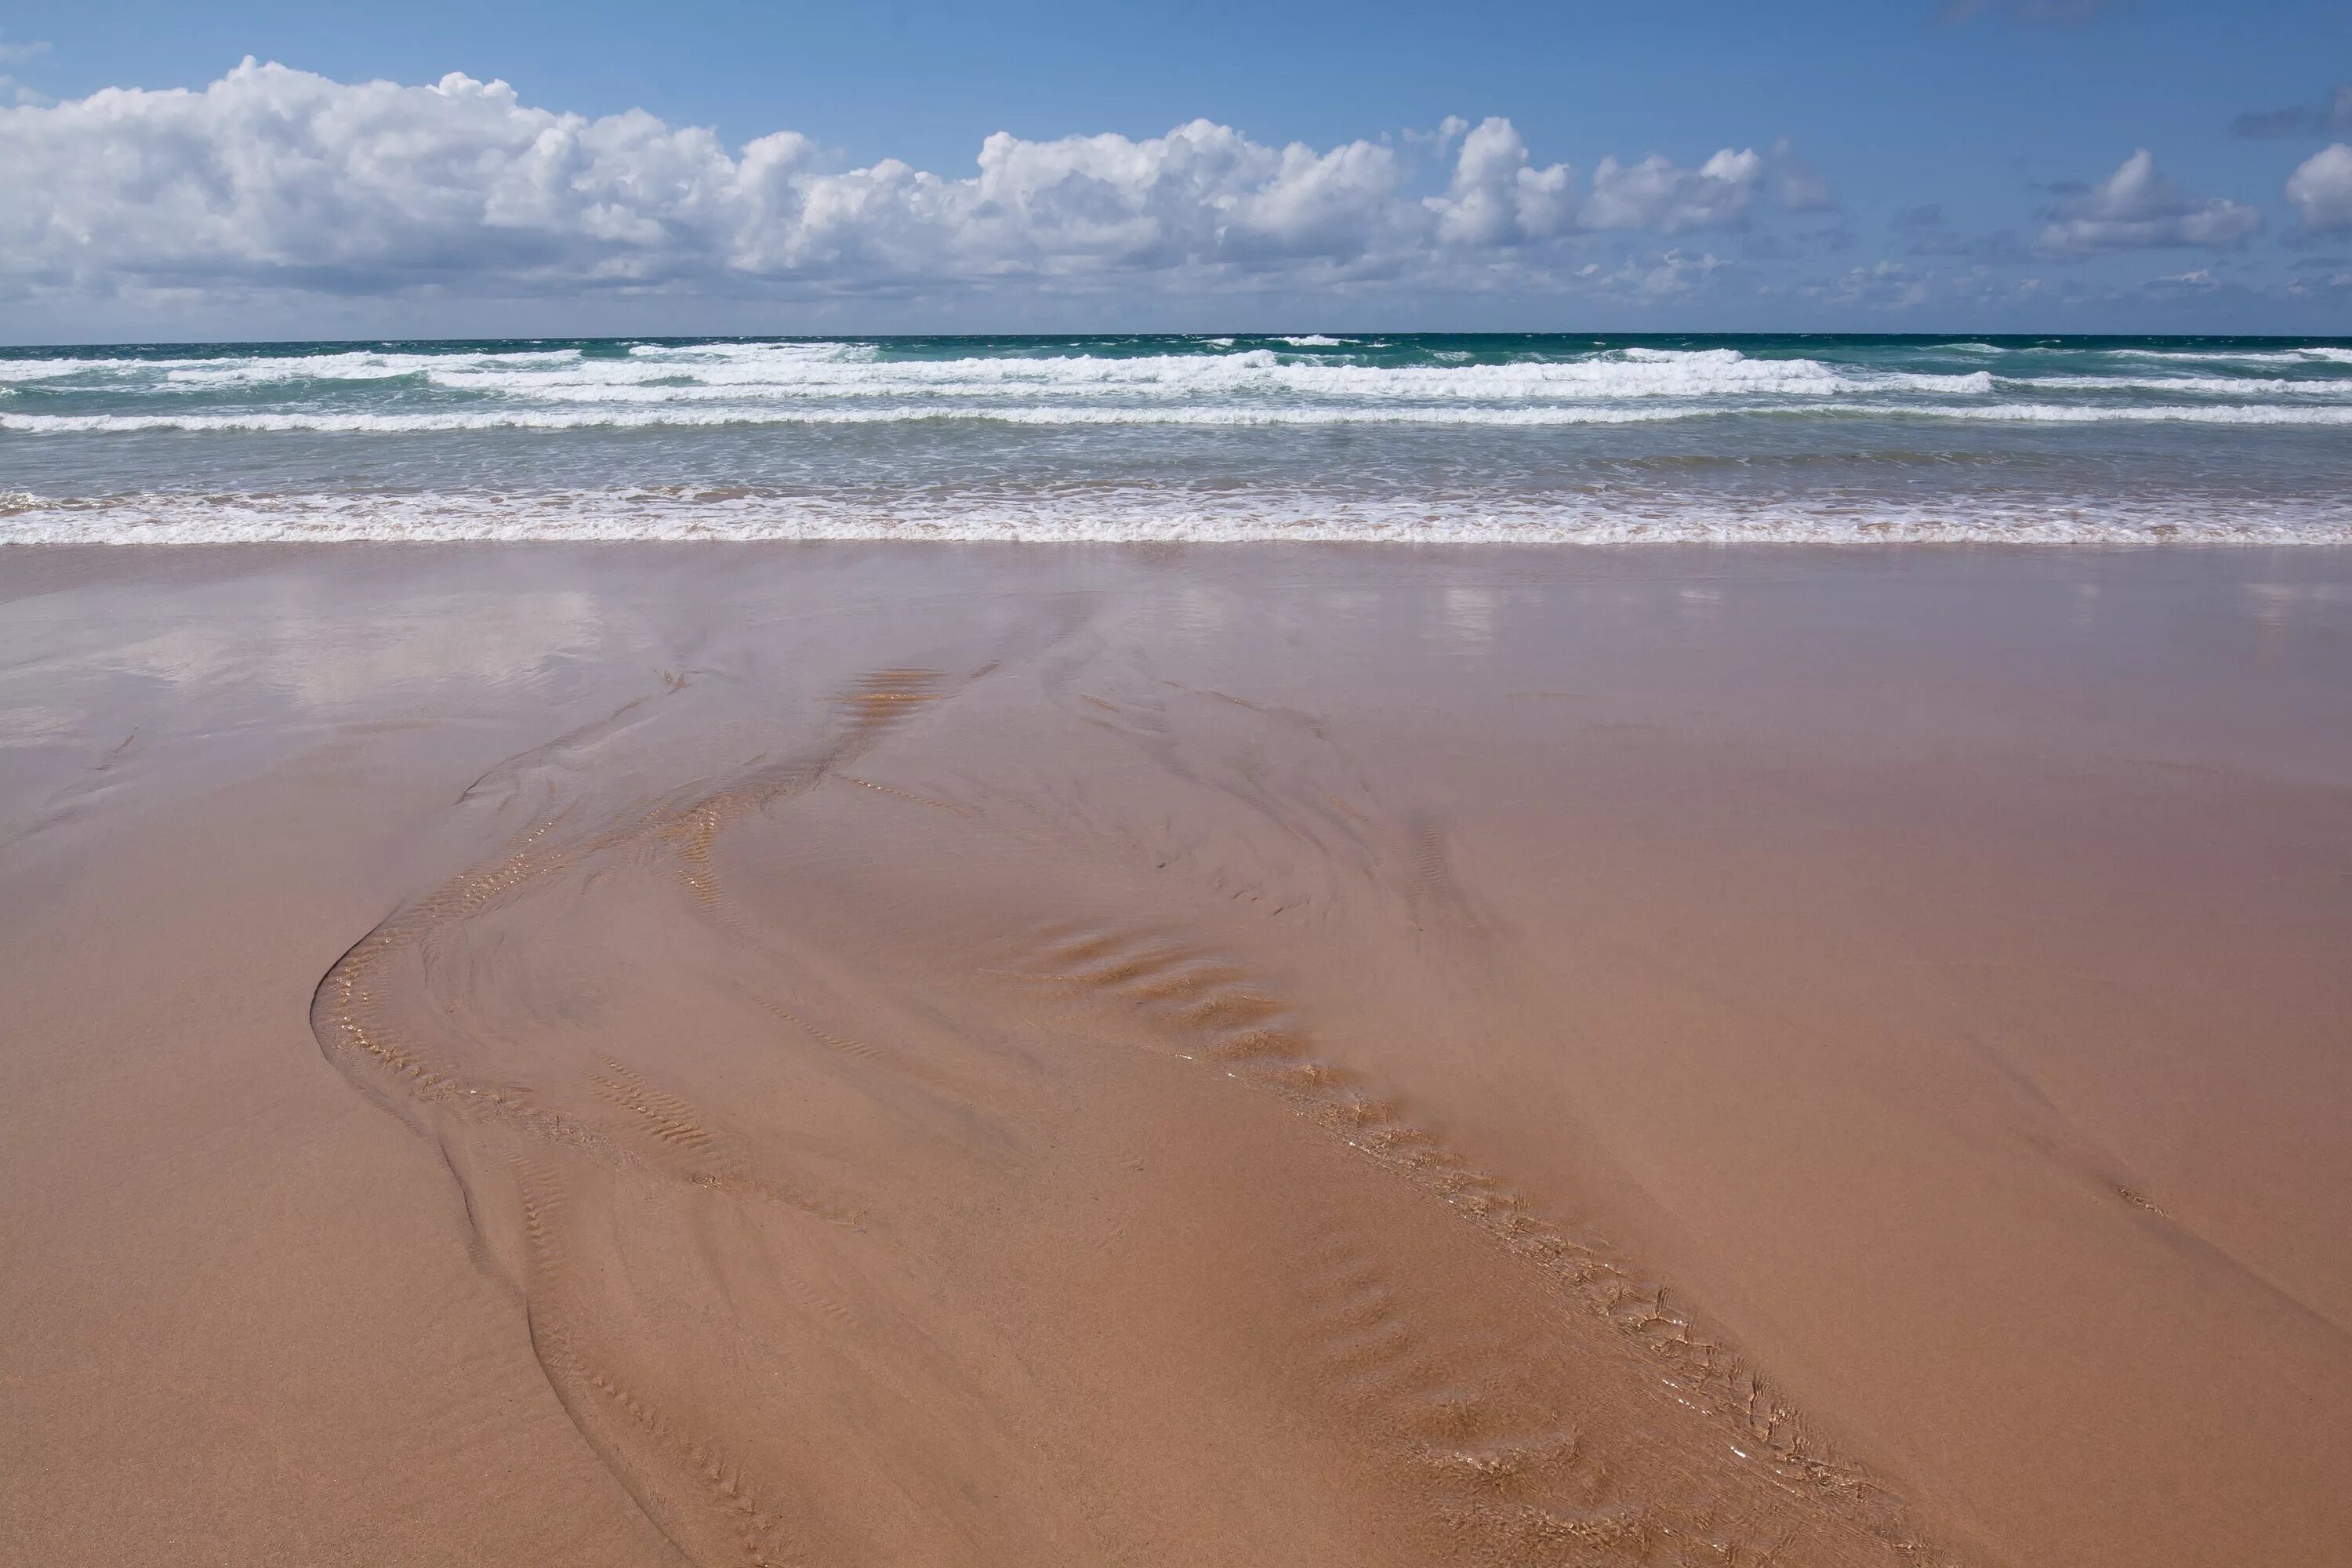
(1891, 166)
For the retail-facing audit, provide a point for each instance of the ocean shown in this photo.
(1538, 439)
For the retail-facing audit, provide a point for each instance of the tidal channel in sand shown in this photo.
(1248, 1056)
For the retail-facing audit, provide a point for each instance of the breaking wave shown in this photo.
(1307, 436)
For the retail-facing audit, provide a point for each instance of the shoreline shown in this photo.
(1544, 438)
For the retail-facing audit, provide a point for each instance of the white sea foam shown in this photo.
(2310, 355)
(263, 370)
(2094, 414)
(549, 388)
(772, 370)
(1845, 440)
(2201, 385)
(669, 414)
(690, 417)
(1698, 373)
(1143, 515)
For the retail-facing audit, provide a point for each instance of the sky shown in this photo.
(702, 166)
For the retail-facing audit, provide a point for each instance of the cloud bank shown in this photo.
(275, 178)
(2135, 208)
(276, 201)
(2321, 188)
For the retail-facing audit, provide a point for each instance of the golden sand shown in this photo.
(822, 1054)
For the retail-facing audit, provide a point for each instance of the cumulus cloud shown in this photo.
(2321, 189)
(274, 178)
(2329, 115)
(1655, 195)
(1497, 195)
(2135, 208)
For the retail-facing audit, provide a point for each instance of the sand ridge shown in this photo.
(1612, 1428)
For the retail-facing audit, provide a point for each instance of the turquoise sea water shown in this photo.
(1550, 438)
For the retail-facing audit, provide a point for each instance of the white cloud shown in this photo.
(2321, 189)
(11, 89)
(1497, 197)
(2136, 209)
(1656, 194)
(273, 179)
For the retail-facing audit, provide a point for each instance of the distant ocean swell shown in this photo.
(1532, 439)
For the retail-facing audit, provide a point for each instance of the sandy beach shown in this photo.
(1192, 1056)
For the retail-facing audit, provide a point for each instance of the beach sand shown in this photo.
(1252, 1055)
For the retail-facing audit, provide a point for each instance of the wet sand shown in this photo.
(1240, 1055)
